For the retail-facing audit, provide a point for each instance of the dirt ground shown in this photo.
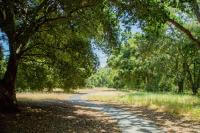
(47, 114)
(51, 113)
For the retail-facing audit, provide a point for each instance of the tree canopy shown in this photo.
(167, 62)
(155, 13)
(53, 38)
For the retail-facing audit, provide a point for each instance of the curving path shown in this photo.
(128, 122)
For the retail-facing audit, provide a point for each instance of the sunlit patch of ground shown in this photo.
(51, 113)
(38, 96)
(98, 92)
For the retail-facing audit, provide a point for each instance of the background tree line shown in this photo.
(154, 60)
(160, 64)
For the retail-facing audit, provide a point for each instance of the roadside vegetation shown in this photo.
(178, 105)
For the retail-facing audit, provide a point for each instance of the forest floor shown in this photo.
(51, 113)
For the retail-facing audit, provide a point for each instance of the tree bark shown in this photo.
(180, 86)
(195, 85)
(194, 89)
(8, 102)
(193, 82)
(186, 31)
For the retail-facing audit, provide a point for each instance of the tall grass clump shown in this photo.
(173, 103)
(186, 105)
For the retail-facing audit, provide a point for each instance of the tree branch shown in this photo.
(23, 51)
(35, 25)
(186, 31)
(34, 55)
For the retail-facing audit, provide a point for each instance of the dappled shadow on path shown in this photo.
(55, 117)
(169, 123)
(128, 122)
(163, 119)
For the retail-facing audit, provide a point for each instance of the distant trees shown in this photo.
(66, 68)
(102, 78)
(159, 63)
(161, 58)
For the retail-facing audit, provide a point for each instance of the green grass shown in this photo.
(185, 105)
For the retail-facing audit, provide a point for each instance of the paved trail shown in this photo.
(128, 122)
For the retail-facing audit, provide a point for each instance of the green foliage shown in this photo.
(157, 13)
(53, 40)
(102, 78)
(156, 63)
(32, 76)
(1, 53)
(152, 64)
(65, 64)
(50, 41)
(2, 62)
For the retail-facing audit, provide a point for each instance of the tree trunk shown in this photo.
(8, 102)
(180, 86)
(194, 89)
(181, 79)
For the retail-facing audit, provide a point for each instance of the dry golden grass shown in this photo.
(51, 113)
(39, 96)
(98, 92)
(174, 113)
(175, 104)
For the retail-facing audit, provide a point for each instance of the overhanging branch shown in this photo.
(186, 31)
(35, 26)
